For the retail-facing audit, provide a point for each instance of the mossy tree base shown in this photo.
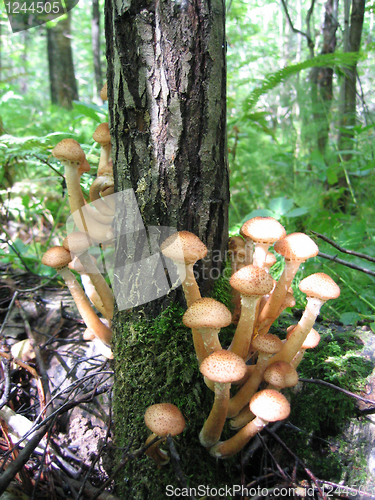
(155, 363)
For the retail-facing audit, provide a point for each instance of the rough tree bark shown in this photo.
(167, 113)
(63, 85)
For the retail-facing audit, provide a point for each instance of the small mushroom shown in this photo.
(280, 375)
(295, 248)
(59, 258)
(222, 367)
(267, 345)
(103, 137)
(268, 406)
(185, 249)
(78, 244)
(319, 288)
(208, 316)
(162, 419)
(103, 93)
(263, 231)
(311, 341)
(252, 282)
(71, 155)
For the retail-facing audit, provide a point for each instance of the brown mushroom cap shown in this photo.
(268, 343)
(207, 313)
(102, 135)
(311, 341)
(69, 149)
(77, 242)
(263, 230)
(56, 257)
(296, 246)
(103, 93)
(252, 280)
(320, 286)
(223, 367)
(184, 247)
(164, 418)
(270, 405)
(281, 374)
(236, 243)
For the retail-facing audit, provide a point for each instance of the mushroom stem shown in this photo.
(100, 284)
(188, 281)
(244, 331)
(159, 456)
(305, 324)
(84, 307)
(243, 418)
(235, 444)
(272, 307)
(260, 254)
(213, 426)
(78, 244)
(247, 391)
(268, 406)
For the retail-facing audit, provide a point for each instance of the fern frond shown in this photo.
(325, 60)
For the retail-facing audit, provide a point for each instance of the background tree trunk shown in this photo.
(167, 114)
(348, 94)
(95, 38)
(322, 77)
(63, 83)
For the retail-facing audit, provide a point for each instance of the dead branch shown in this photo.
(334, 258)
(341, 249)
(336, 388)
(300, 462)
(175, 459)
(310, 42)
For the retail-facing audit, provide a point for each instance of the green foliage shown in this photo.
(320, 413)
(276, 166)
(274, 79)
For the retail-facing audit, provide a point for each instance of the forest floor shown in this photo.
(62, 380)
(60, 386)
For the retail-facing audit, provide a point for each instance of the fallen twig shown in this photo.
(6, 389)
(343, 250)
(175, 459)
(306, 469)
(340, 389)
(334, 258)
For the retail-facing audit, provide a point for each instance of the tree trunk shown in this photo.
(63, 83)
(322, 77)
(349, 95)
(95, 38)
(167, 114)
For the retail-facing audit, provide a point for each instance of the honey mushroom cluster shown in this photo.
(258, 302)
(258, 399)
(93, 223)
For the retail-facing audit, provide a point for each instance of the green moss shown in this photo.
(155, 362)
(321, 414)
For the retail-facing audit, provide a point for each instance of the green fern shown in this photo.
(273, 79)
